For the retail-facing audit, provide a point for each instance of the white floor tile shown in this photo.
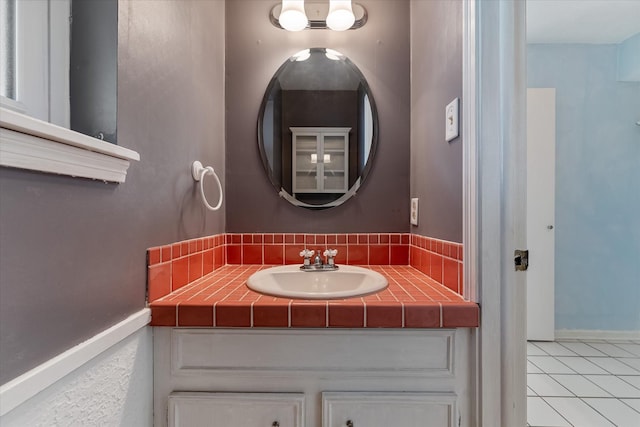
(614, 385)
(581, 365)
(580, 386)
(539, 413)
(550, 365)
(534, 350)
(554, 348)
(634, 403)
(611, 349)
(631, 348)
(633, 362)
(532, 369)
(577, 412)
(544, 385)
(596, 371)
(582, 349)
(615, 411)
(634, 380)
(612, 366)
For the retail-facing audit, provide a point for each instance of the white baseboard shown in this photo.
(583, 334)
(27, 385)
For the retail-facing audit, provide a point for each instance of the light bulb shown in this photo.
(333, 55)
(341, 15)
(303, 55)
(293, 17)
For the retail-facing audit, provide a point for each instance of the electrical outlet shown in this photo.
(414, 211)
(451, 111)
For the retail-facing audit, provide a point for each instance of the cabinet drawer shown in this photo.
(392, 353)
(346, 409)
(236, 409)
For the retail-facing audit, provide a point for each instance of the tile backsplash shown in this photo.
(172, 266)
(354, 249)
(439, 259)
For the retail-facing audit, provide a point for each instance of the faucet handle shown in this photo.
(330, 254)
(307, 253)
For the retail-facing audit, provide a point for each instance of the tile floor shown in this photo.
(583, 383)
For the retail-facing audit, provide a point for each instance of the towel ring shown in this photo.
(198, 172)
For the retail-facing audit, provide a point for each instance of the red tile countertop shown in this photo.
(222, 299)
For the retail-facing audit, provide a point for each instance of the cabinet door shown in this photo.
(335, 162)
(387, 410)
(236, 409)
(307, 158)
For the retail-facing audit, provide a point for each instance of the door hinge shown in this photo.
(521, 259)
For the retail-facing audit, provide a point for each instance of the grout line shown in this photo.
(251, 316)
(558, 412)
(326, 315)
(364, 313)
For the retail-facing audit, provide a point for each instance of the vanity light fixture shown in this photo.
(333, 55)
(303, 55)
(293, 16)
(340, 17)
(337, 15)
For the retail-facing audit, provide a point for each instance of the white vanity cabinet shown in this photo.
(312, 377)
(236, 409)
(320, 159)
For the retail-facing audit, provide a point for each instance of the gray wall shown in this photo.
(72, 251)
(255, 50)
(436, 79)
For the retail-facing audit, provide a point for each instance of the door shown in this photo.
(374, 409)
(236, 409)
(541, 155)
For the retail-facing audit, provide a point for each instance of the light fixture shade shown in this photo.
(341, 15)
(293, 17)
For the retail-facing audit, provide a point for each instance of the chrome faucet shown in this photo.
(318, 263)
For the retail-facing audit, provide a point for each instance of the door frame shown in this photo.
(494, 204)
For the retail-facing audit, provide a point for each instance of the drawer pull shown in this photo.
(275, 424)
(349, 423)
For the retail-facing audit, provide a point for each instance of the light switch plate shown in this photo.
(414, 211)
(451, 131)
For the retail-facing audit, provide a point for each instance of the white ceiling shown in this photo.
(582, 21)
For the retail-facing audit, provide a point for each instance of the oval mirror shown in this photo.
(317, 129)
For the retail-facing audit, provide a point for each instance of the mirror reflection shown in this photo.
(317, 129)
(65, 54)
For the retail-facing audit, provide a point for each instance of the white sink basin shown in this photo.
(289, 281)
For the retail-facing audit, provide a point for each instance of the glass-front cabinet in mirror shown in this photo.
(320, 160)
(317, 129)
